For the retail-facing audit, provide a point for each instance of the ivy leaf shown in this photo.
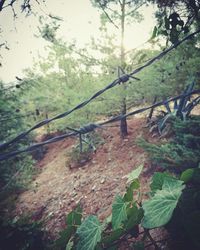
(128, 196)
(89, 233)
(157, 181)
(159, 209)
(118, 212)
(134, 174)
(186, 176)
(73, 220)
(134, 217)
(74, 217)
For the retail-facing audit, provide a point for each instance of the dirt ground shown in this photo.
(57, 189)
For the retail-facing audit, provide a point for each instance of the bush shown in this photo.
(182, 151)
(21, 235)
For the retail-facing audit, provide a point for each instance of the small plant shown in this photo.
(83, 151)
(181, 109)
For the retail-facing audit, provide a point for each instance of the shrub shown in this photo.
(182, 151)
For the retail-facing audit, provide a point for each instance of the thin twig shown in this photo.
(109, 18)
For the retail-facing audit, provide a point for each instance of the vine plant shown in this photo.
(131, 218)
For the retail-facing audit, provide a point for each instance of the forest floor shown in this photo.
(58, 188)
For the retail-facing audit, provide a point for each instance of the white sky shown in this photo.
(81, 21)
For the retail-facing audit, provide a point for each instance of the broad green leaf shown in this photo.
(128, 196)
(89, 233)
(159, 209)
(74, 217)
(135, 216)
(157, 181)
(73, 220)
(134, 174)
(118, 212)
(186, 176)
(65, 236)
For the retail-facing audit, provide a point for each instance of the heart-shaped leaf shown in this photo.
(89, 233)
(159, 209)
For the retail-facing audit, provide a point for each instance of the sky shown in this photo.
(80, 21)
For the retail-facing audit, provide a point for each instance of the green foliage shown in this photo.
(182, 151)
(21, 235)
(159, 209)
(89, 233)
(118, 212)
(73, 220)
(176, 18)
(14, 173)
(157, 181)
(134, 174)
(186, 176)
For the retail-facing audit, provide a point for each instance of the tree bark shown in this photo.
(123, 123)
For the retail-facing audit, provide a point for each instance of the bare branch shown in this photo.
(109, 18)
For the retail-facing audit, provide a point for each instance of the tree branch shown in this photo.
(109, 18)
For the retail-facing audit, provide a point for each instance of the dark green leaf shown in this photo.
(73, 220)
(135, 216)
(74, 217)
(157, 181)
(129, 191)
(186, 176)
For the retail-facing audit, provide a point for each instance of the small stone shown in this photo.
(93, 188)
(102, 181)
(74, 194)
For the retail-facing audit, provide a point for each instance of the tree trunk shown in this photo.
(123, 123)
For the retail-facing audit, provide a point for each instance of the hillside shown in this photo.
(58, 188)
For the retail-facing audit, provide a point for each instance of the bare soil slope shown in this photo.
(57, 189)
